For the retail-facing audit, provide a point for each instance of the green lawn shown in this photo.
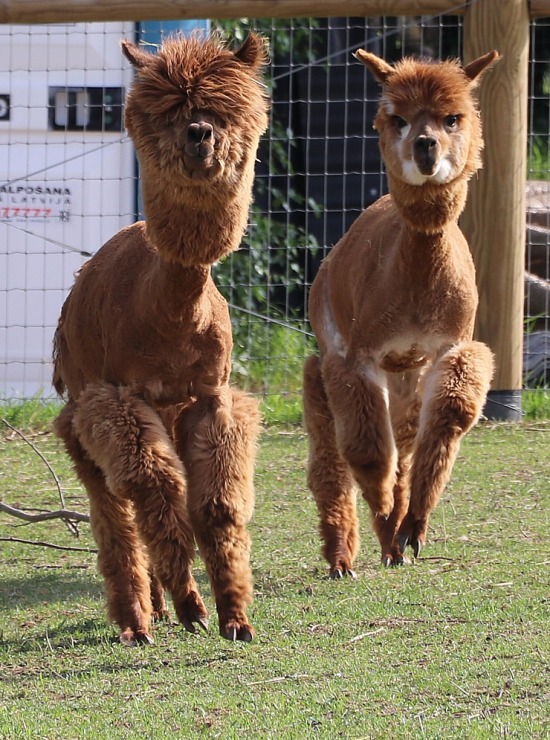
(456, 646)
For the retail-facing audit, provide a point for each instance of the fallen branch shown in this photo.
(70, 525)
(64, 514)
(48, 544)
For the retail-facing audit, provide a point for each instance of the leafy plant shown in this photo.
(266, 274)
(538, 166)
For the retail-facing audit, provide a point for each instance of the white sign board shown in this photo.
(67, 179)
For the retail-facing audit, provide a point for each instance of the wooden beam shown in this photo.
(61, 11)
(494, 220)
(539, 8)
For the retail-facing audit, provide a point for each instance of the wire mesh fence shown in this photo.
(537, 252)
(69, 179)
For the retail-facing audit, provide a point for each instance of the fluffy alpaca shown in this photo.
(399, 380)
(163, 445)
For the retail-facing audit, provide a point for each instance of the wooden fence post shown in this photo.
(494, 219)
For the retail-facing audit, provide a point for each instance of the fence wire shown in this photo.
(69, 179)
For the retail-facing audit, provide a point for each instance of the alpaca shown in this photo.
(142, 352)
(399, 380)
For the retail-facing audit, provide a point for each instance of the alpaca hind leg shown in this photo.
(128, 441)
(329, 477)
(454, 392)
(158, 601)
(217, 441)
(120, 560)
(363, 430)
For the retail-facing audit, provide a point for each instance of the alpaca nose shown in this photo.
(424, 144)
(200, 140)
(197, 133)
(426, 153)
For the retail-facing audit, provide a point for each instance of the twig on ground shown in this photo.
(70, 525)
(279, 679)
(365, 634)
(89, 550)
(64, 514)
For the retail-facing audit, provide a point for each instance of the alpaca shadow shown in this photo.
(51, 588)
(58, 587)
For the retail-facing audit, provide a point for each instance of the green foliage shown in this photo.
(538, 167)
(270, 266)
(271, 358)
(284, 36)
(268, 360)
(270, 260)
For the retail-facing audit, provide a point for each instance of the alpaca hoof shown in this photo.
(337, 573)
(412, 532)
(415, 542)
(162, 615)
(234, 631)
(190, 626)
(416, 545)
(394, 561)
(131, 638)
(401, 559)
(190, 610)
(203, 623)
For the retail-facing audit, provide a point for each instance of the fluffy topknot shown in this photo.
(200, 73)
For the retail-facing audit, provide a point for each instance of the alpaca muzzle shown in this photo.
(199, 146)
(426, 154)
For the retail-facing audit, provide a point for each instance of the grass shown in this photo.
(277, 407)
(536, 403)
(456, 646)
(35, 413)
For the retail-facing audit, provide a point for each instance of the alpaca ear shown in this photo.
(134, 54)
(478, 66)
(253, 51)
(379, 68)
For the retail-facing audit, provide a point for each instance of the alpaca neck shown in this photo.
(175, 290)
(196, 225)
(430, 207)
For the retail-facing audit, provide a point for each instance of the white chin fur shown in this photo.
(442, 174)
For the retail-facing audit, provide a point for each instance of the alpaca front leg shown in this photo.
(128, 441)
(454, 392)
(404, 412)
(217, 442)
(121, 560)
(386, 529)
(363, 430)
(329, 477)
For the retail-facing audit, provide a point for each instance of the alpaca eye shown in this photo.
(400, 122)
(451, 121)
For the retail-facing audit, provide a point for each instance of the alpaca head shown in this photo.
(428, 122)
(196, 110)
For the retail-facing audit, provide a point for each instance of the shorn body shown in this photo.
(399, 379)
(142, 353)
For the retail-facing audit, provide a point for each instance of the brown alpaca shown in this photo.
(399, 380)
(163, 445)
